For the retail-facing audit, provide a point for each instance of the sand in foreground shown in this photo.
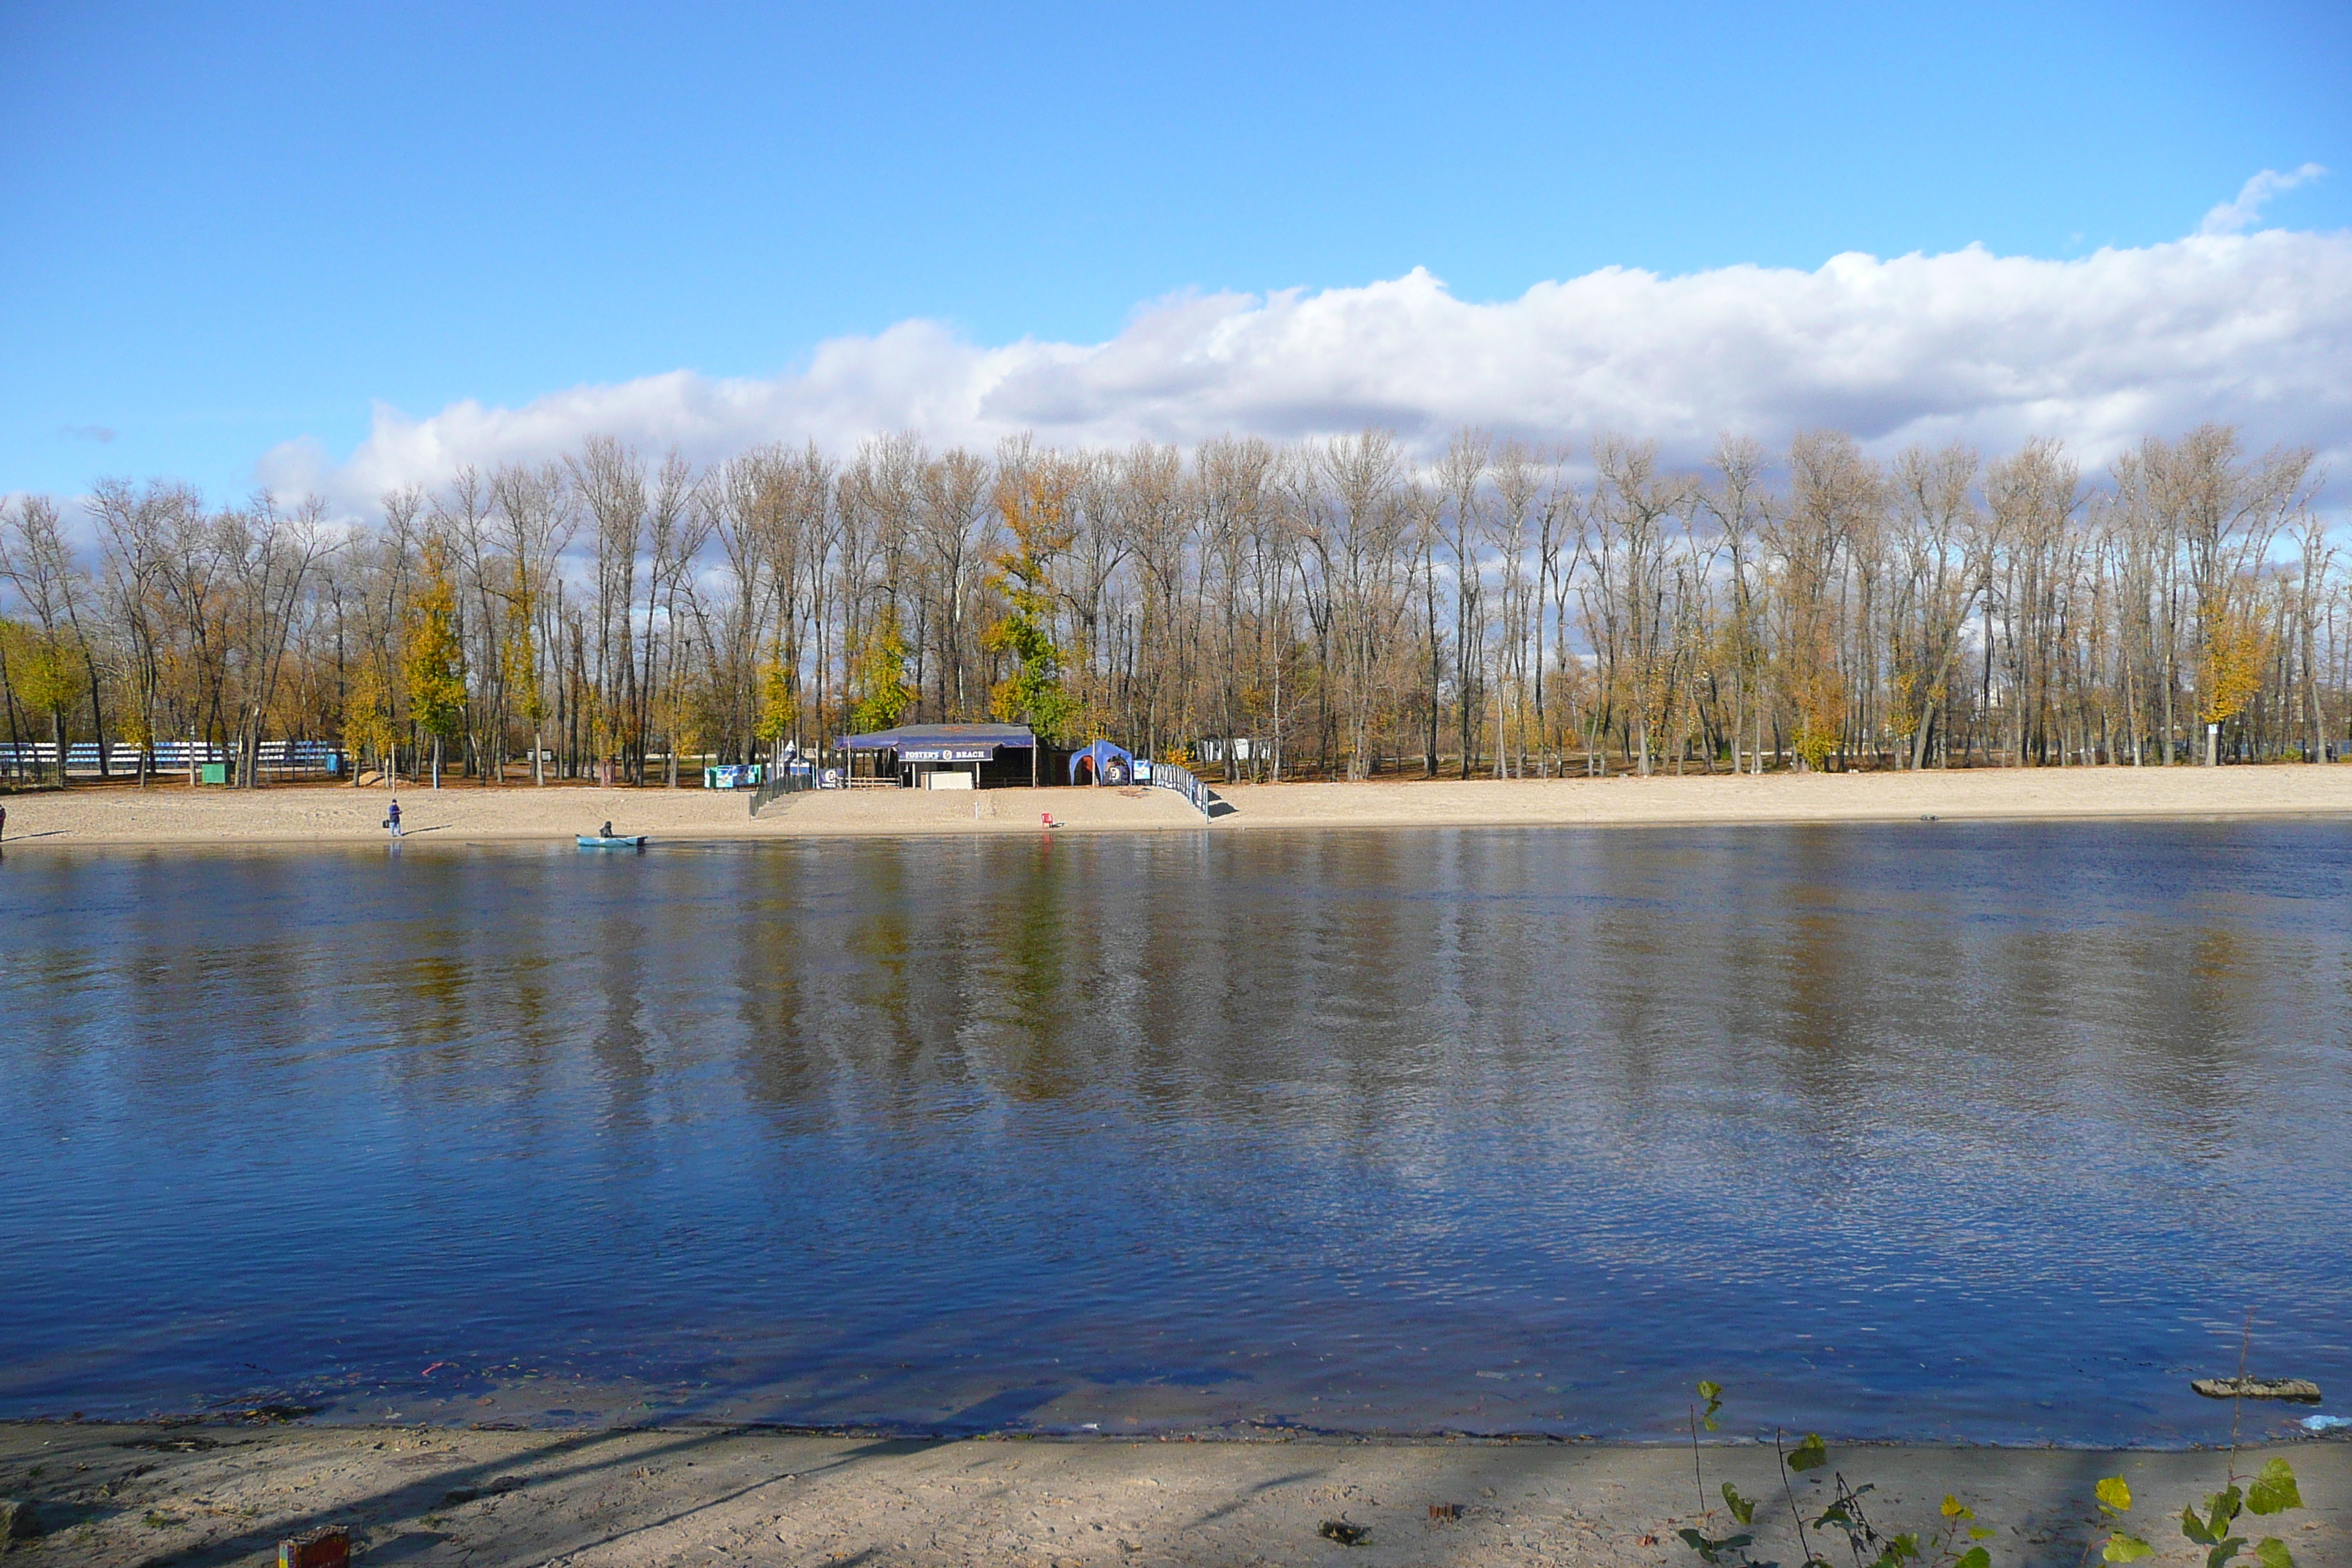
(175, 814)
(218, 1494)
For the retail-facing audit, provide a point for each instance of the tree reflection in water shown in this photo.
(1917, 1130)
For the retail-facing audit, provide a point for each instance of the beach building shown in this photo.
(943, 756)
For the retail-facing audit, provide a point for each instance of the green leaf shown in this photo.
(2114, 1494)
(1713, 1393)
(1742, 1509)
(1955, 1509)
(1711, 1550)
(1975, 1557)
(1978, 1532)
(1809, 1455)
(2122, 1548)
(2271, 1552)
(2219, 1509)
(2221, 1555)
(2273, 1491)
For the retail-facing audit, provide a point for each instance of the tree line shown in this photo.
(1323, 609)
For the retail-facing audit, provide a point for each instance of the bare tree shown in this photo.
(1338, 608)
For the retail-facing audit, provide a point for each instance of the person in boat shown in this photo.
(606, 832)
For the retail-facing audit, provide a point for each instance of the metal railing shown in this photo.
(1168, 775)
(793, 778)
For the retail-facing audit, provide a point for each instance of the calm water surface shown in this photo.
(1926, 1130)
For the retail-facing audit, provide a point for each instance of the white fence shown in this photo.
(34, 759)
(1168, 775)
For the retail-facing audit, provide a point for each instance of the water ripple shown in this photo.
(1983, 1133)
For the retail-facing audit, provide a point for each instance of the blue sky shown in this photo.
(226, 227)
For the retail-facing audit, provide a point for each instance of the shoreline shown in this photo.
(222, 1492)
(175, 815)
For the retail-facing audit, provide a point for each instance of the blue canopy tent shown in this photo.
(1102, 762)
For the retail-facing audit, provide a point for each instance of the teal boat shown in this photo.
(615, 841)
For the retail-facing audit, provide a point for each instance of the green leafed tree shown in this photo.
(41, 674)
(519, 664)
(367, 716)
(779, 696)
(1036, 507)
(435, 667)
(879, 692)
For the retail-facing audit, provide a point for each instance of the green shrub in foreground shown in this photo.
(1958, 1540)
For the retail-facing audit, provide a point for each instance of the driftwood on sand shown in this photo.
(2258, 1388)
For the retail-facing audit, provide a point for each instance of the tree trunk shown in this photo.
(1920, 741)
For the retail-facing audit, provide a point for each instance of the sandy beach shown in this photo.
(316, 814)
(218, 1494)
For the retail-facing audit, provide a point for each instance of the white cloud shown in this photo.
(2237, 217)
(2250, 328)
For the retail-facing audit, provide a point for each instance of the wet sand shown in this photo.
(214, 1494)
(173, 813)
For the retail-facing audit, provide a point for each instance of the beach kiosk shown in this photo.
(942, 756)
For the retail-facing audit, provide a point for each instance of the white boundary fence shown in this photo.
(39, 759)
(1168, 775)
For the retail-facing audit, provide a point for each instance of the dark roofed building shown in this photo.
(945, 756)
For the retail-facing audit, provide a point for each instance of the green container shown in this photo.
(213, 772)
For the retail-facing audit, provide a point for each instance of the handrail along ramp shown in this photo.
(1168, 775)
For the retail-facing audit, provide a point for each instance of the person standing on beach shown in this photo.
(393, 819)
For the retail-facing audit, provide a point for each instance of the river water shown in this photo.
(1932, 1130)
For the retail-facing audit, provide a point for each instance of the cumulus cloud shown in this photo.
(2250, 328)
(2237, 217)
